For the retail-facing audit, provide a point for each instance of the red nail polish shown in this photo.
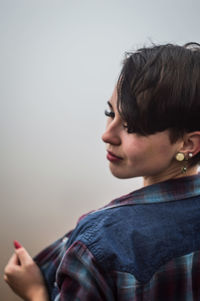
(16, 244)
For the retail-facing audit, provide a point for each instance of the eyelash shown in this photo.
(112, 115)
(109, 114)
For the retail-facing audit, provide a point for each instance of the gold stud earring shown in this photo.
(180, 156)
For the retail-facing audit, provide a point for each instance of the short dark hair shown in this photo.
(159, 89)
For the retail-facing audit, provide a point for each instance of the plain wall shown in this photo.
(59, 61)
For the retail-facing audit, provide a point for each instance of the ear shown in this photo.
(191, 143)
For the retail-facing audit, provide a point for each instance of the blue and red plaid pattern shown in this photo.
(74, 270)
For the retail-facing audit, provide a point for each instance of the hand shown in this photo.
(24, 276)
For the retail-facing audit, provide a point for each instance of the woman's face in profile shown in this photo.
(132, 155)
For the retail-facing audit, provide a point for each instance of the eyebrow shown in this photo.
(108, 102)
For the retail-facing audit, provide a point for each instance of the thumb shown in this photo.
(23, 256)
(13, 260)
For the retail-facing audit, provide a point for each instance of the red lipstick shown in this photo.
(112, 157)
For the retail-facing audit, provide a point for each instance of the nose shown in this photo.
(111, 134)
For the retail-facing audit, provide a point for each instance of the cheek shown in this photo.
(147, 153)
(165, 150)
(161, 156)
(137, 152)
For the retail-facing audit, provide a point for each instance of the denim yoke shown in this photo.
(140, 238)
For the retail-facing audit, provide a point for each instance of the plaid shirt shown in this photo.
(143, 246)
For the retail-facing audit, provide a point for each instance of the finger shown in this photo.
(23, 256)
(5, 278)
(13, 260)
(12, 265)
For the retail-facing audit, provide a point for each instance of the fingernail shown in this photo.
(16, 244)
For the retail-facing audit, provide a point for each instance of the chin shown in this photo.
(120, 175)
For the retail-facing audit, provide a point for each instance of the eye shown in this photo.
(109, 114)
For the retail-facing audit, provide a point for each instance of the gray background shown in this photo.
(59, 61)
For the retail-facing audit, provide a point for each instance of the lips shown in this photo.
(112, 157)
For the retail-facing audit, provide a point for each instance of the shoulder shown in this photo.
(138, 239)
(116, 236)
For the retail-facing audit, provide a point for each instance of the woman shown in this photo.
(145, 245)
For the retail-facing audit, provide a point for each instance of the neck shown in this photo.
(172, 174)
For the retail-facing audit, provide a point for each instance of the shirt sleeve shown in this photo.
(80, 278)
(48, 261)
(52, 251)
